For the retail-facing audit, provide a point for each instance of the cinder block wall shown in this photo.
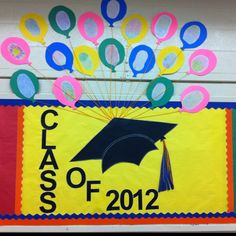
(218, 16)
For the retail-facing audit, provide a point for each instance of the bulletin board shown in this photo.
(114, 116)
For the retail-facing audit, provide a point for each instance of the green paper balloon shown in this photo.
(24, 84)
(160, 91)
(111, 53)
(62, 20)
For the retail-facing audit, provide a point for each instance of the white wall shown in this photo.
(218, 16)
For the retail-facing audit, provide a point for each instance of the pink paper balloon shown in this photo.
(188, 101)
(91, 26)
(67, 90)
(164, 26)
(202, 62)
(16, 51)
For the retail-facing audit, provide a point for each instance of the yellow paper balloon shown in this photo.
(34, 27)
(86, 59)
(134, 28)
(170, 60)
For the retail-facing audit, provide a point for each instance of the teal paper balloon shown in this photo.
(111, 53)
(62, 20)
(160, 91)
(24, 84)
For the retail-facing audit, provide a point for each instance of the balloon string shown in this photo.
(93, 98)
(101, 92)
(110, 89)
(185, 74)
(91, 90)
(75, 112)
(103, 73)
(73, 98)
(114, 115)
(165, 114)
(144, 92)
(36, 70)
(66, 73)
(137, 86)
(123, 80)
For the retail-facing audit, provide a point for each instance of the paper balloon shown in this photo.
(193, 34)
(86, 60)
(34, 27)
(164, 26)
(59, 57)
(111, 53)
(141, 60)
(170, 60)
(67, 90)
(202, 62)
(113, 10)
(24, 84)
(91, 26)
(160, 91)
(134, 28)
(62, 20)
(194, 99)
(16, 51)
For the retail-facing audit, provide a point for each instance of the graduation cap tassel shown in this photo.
(166, 179)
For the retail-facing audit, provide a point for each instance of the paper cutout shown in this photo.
(146, 176)
(67, 90)
(16, 51)
(160, 91)
(113, 10)
(125, 140)
(9, 129)
(170, 60)
(62, 20)
(202, 62)
(111, 53)
(141, 60)
(164, 26)
(86, 60)
(134, 28)
(59, 57)
(193, 34)
(24, 84)
(194, 99)
(34, 27)
(166, 179)
(91, 26)
(131, 219)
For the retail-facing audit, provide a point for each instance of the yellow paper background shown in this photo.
(197, 148)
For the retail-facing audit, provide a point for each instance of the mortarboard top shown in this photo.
(124, 140)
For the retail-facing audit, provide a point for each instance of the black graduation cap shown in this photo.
(127, 140)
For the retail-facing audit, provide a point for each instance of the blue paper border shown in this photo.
(89, 103)
(118, 216)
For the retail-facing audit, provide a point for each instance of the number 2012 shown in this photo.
(126, 198)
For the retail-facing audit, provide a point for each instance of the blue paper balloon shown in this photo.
(193, 34)
(59, 57)
(141, 60)
(113, 10)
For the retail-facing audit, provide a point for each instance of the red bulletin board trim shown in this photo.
(8, 131)
(230, 166)
(19, 159)
(51, 222)
(121, 221)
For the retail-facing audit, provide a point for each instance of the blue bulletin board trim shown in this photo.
(85, 103)
(117, 216)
